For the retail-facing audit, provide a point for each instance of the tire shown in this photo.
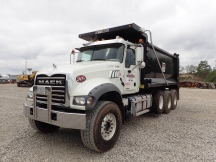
(103, 125)
(167, 102)
(42, 127)
(158, 102)
(174, 99)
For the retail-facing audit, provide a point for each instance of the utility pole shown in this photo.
(26, 66)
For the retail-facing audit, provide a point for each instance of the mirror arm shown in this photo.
(139, 63)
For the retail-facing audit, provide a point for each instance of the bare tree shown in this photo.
(191, 69)
(181, 69)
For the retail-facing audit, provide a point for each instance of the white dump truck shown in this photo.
(118, 74)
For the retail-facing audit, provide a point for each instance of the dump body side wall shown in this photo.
(152, 71)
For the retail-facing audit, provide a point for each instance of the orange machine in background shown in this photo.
(26, 80)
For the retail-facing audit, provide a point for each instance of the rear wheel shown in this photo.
(158, 102)
(42, 127)
(103, 126)
(174, 99)
(167, 102)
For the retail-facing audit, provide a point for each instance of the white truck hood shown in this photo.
(82, 68)
(79, 67)
(87, 66)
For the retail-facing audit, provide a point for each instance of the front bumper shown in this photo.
(47, 115)
(61, 119)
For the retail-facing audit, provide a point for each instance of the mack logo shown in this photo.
(56, 82)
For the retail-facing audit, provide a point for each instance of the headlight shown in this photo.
(29, 96)
(80, 100)
(83, 100)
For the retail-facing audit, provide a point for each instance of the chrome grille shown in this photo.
(57, 82)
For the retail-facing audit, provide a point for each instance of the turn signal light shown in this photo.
(80, 78)
(90, 101)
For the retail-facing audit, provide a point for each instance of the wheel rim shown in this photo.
(161, 102)
(169, 102)
(108, 126)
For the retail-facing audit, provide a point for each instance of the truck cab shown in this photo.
(118, 58)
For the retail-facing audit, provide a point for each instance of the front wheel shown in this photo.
(103, 126)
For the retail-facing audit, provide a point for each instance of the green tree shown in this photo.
(203, 69)
(211, 76)
(214, 68)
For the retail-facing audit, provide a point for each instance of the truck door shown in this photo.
(131, 79)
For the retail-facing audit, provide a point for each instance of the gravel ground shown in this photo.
(185, 134)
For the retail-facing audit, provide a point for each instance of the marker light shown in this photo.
(80, 78)
(73, 51)
(140, 40)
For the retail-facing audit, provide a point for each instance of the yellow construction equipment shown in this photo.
(26, 80)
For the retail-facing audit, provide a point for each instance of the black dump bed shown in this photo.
(130, 32)
(151, 75)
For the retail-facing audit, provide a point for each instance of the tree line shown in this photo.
(203, 70)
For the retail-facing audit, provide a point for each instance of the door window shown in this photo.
(130, 58)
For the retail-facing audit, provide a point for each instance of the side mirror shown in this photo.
(139, 54)
(139, 57)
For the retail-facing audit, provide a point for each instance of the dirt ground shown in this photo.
(191, 77)
(185, 134)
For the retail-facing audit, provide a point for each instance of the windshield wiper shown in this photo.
(99, 59)
(79, 61)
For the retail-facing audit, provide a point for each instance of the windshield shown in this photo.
(109, 52)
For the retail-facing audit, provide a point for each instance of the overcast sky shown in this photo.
(45, 31)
